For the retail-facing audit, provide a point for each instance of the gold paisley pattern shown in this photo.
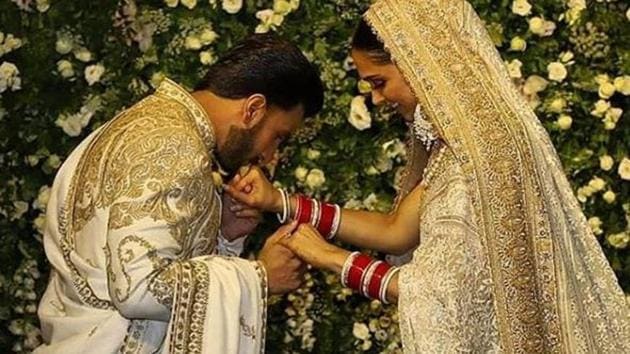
(546, 299)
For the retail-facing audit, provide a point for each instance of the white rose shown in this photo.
(606, 90)
(613, 114)
(628, 14)
(619, 240)
(622, 84)
(313, 154)
(63, 45)
(609, 124)
(208, 36)
(514, 69)
(171, 3)
(42, 5)
(190, 4)
(521, 7)
(557, 71)
(537, 25)
(40, 223)
(606, 162)
(157, 78)
(53, 161)
(558, 105)
(534, 84)
(549, 27)
(93, 73)
(315, 178)
(518, 44)
(602, 78)
(64, 67)
(232, 6)
(192, 43)
(265, 16)
(42, 198)
(83, 54)
(597, 184)
(20, 208)
(577, 4)
(281, 6)
(370, 201)
(564, 121)
(206, 57)
(624, 169)
(11, 43)
(596, 225)
(609, 197)
(301, 173)
(366, 345)
(601, 107)
(566, 57)
(361, 331)
(359, 115)
(295, 4)
(9, 77)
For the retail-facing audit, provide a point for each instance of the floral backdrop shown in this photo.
(67, 66)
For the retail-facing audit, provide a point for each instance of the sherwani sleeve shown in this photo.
(161, 237)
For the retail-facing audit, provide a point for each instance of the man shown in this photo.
(134, 232)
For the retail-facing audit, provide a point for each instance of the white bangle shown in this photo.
(336, 223)
(285, 207)
(385, 284)
(346, 267)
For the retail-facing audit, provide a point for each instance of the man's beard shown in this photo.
(238, 149)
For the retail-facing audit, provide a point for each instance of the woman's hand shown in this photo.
(254, 190)
(309, 245)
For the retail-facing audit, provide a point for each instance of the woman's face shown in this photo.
(388, 84)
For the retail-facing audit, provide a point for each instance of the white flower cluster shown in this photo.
(40, 5)
(607, 88)
(382, 328)
(313, 179)
(67, 43)
(299, 324)
(200, 38)
(23, 292)
(73, 124)
(271, 19)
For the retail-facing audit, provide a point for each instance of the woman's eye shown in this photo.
(377, 84)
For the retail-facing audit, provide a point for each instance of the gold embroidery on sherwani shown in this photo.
(528, 220)
(145, 163)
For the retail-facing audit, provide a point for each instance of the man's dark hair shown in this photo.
(365, 40)
(269, 65)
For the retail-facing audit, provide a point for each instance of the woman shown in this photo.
(506, 261)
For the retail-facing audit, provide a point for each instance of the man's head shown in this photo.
(261, 91)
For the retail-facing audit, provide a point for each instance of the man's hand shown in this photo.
(254, 190)
(236, 220)
(284, 269)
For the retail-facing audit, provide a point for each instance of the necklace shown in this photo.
(434, 162)
(422, 129)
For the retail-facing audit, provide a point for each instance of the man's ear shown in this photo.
(255, 110)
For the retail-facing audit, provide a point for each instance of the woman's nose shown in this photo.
(377, 98)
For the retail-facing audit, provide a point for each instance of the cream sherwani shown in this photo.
(133, 240)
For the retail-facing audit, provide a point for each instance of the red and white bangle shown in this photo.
(325, 217)
(369, 277)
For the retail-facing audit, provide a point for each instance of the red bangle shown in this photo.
(305, 208)
(326, 220)
(374, 287)
(357, 271)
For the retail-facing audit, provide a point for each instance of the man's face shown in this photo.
(259, 144)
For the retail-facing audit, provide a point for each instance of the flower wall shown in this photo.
(68, 66)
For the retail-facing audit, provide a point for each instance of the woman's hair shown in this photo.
(365, 40)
